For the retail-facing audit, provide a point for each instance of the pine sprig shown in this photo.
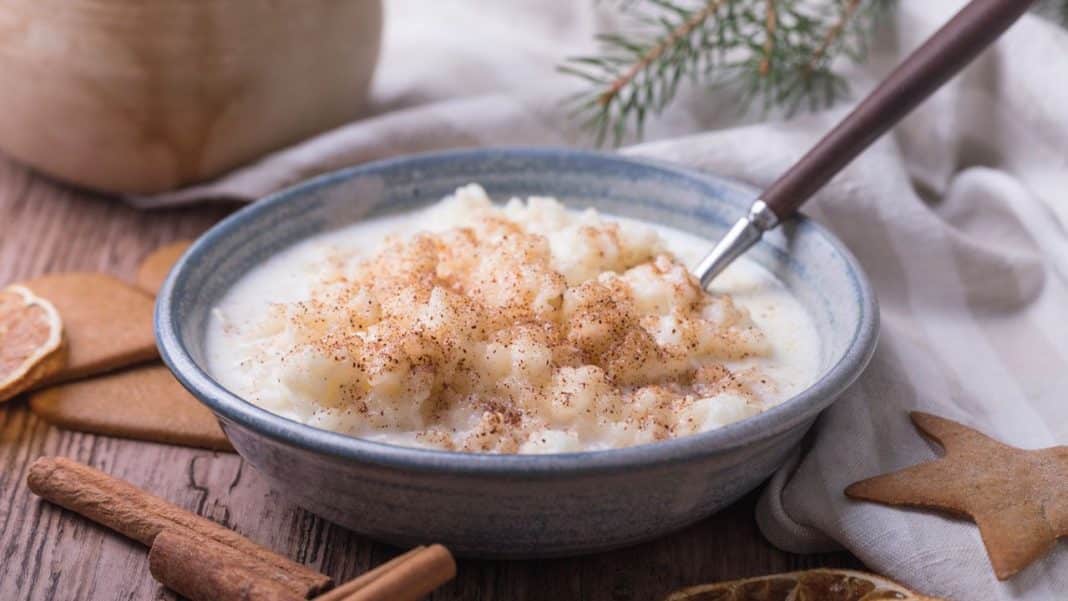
(779, 51)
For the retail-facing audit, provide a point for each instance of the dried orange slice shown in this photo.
(811, 585)
(31, 340)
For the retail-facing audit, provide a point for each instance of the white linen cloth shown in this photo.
(959, 219)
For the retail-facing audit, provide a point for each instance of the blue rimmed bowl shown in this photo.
(516, 505)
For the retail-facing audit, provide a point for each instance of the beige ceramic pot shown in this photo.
(140, 96)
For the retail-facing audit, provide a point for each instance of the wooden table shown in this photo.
(49, 553)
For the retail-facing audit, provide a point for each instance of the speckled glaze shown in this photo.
(516, 505)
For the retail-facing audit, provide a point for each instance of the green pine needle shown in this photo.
(779, 51)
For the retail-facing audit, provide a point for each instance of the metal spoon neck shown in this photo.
(745, 232)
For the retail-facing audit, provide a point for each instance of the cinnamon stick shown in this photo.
(407, 578)
(344, 590)
(141, 516)
(201, 569)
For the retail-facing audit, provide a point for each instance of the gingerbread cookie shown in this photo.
(1018, 498)
(108, 324)
(157, 265)
(144, 403)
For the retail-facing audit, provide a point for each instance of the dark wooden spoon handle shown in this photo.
(925, 70)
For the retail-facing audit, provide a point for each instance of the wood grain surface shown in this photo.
(49, 553)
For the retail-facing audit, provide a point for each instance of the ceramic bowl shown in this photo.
(516, 505)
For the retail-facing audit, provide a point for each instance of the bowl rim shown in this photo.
(795, 410)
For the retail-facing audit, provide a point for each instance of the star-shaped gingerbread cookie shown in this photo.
(1018, 498)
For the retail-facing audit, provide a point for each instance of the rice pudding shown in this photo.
(516, 328)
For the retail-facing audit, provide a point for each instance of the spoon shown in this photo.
(945, 53)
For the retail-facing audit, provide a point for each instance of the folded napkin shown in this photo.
(958, 218)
